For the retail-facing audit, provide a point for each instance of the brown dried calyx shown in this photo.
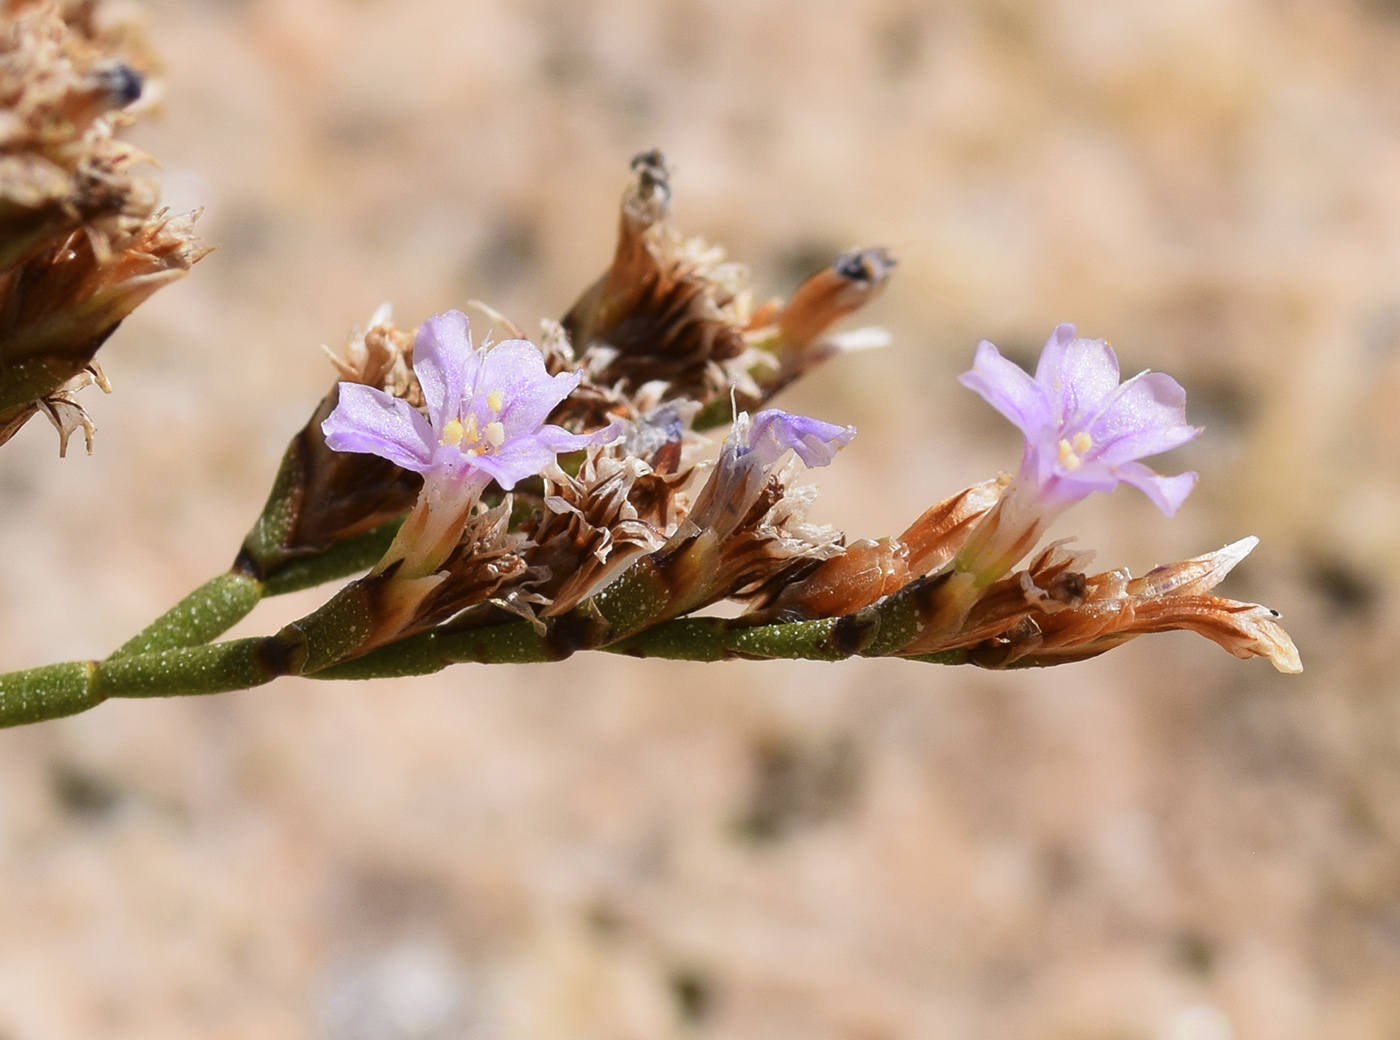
(81, 241)
(867, 571)
(590, 526)
(1054, 613)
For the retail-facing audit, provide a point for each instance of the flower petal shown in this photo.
(1147, 416)
(1080, 374)
(1166, 493)
(523, 457)
(445, 363)
(1008, 389)
(516, 368)
(371, 421)
(816, 443)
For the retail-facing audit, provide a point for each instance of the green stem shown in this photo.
(341, 559)
(206, 613)
(516, 642)
(238, 664)
(48, 692)
(55, 690)
(221, 602)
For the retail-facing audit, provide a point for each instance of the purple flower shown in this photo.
(815, 442)
(485, 412)
(1084, 431)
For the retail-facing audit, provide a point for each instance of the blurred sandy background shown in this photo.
(1163, 844)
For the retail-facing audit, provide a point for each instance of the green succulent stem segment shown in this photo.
(205, 614)
(221, 602)
(53, 691)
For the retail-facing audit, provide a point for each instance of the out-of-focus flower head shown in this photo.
(82, 238)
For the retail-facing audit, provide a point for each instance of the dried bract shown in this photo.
(591, 526)
(1053, 613)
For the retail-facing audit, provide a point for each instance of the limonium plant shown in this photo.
(526, 500)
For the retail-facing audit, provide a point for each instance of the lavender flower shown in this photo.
(486, 410)
(774, 432)
(1084, 433)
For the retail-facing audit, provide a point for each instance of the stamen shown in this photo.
(471, 431)
(1082, 442)
(452, 433)
(1068, 459)
(496, 400)
(495, 434)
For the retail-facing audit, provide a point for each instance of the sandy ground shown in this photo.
(1164, 843)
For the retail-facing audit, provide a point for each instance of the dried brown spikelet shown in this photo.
(867, 571)
(744, 553)
(487, 561)
(790, 336)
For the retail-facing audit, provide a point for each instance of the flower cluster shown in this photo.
(642, 531)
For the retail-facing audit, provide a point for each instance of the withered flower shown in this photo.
(671, 319)
(669, 310)
(594, 524)
(747, 530)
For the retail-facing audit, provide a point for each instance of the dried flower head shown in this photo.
(592, 525)
(1054, 613)
(672, 319)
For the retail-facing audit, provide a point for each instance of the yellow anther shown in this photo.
(471, 431)
(1082, 442)
(495, 434)
(496, 400)
(1068, 459)
(452, 433)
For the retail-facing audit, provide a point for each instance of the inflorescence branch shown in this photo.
(522, 502)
